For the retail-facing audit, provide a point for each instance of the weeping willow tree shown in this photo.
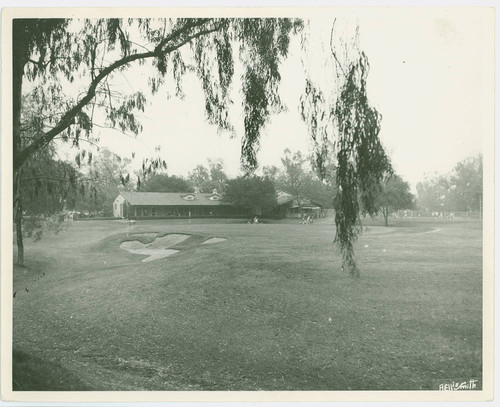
(345, 128)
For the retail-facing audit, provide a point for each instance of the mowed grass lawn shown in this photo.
(267, 309)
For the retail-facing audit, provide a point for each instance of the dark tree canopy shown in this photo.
(165, 183)
(394, 195)
(253, 193)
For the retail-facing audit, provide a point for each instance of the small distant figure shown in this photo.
(131, 222)
(306, 220)
(255, 220)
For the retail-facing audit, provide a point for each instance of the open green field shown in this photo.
(267, 309)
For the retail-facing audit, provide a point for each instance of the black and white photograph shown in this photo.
(293, 203)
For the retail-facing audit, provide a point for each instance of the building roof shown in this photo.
(283, 197)
(172, 199)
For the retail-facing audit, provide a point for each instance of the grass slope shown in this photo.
(268, 309)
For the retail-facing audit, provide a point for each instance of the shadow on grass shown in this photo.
(32, 373)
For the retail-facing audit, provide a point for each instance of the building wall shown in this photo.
(145, 211)
(118, 207)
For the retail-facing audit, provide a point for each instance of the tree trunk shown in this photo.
(18, 216)
(19, 234)
(18, 62)
(386, 217)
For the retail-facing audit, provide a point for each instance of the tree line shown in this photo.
(461, 190)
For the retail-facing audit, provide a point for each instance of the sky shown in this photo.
(428, 78)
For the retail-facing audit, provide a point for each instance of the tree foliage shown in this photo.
(47, 187)
(467, 184)
(461, 190)
(394, 195)
(207, 179)
(53, 54)
(256, 194)
(296, 177)
(343, 123)
(166, 183)
(107, 173)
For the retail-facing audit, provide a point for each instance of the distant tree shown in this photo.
(434, 193)
(165, 183)
(466, 184)
(272, 172)
(217, 175)
(394, 195)
(200, 178)
(297, 178)
(207, 179)
(460, 190)
(109, 173)
(254, 193)
(294, 179)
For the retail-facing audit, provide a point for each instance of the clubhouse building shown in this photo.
(148, 205)
(171, 204)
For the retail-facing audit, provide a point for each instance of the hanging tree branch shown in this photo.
(69, 116)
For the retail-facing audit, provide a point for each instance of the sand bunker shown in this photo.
(214, 240)
(154, 254)
(161, 246)
(158, 249)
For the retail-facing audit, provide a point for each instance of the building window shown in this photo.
(145, 212)
(135, 211)
(153, 212)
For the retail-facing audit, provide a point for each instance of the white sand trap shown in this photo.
(167, 241)
(153, 254)
(214, 240)
(158, 249)
(156, 254)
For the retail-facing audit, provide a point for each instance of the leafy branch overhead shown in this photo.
(49, 52)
